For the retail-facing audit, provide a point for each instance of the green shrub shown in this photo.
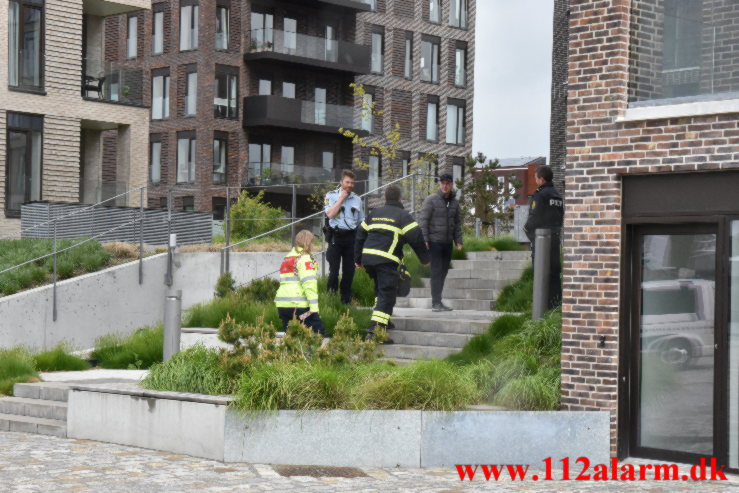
(239, 308)
(59, 359)
(363, 288)
(224, 285)
(141, 349)
(16, 366)
(517, 297)
(263, 290)
(197, 370)
(247, 209)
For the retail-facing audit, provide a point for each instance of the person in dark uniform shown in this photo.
(546, 211)
(344, 211)
(379, 250)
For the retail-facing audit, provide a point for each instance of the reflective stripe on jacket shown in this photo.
(380, 238)
(298, 282)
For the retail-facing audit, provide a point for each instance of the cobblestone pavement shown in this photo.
(30, 463)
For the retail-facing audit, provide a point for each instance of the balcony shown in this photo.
(276, 111)
(263, 174)
(108, 82)
(312, 51)
(355, 5)
(105, 8)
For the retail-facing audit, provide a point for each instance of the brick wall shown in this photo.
(600, 151)
(558, 119)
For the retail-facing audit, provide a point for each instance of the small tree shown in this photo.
(487, 195)
(252, 216)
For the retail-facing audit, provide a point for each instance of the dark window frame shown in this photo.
(136, 36)
(155, 139)
(34, 123)
(460, 45)
(231, 112)
(166, 88)
(191, 68)
(190, 135)
(377, 31)
(158, 8)
(432, 99)
(35, 4)
(408, 56)
(458, 104)
(223, 4)
(221, 137)
(193, 17)
(188, 203)
(434, 41)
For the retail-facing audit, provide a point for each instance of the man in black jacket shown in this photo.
(379, 250)
(546, 211)
(441, 225)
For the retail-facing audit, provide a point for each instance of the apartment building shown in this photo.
(57, 98)
(651, 236)
(247, 94)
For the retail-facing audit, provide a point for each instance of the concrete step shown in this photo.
(26, 424)
(494, 274)
(522, 255)
(34, 408)
(489, 264)
(456, 293)
(48, 391)
(406, 351)
(479, 315)
(443, 325)
(459, 283)
(456, 304)
(425, 338)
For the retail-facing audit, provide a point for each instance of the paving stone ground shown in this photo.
(35, 463)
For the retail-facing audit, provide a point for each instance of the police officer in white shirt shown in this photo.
(344, 211)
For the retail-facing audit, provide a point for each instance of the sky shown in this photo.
(513, 74)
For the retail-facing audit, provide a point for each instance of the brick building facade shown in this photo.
(293, 62)
(650, 237)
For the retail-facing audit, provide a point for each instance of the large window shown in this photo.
(222, 27)
(455, 123)
(460, 66)
(378, 51)
(189, 25)
(319, 97)
(287, 158)
(186, 155)
(23, 161)
(434, 10)
(262, 31)
(288, 90)
(132, 36)
(226, 92)
(191, 96)
(408, 59)
(160, 94)
(291, 35)
(432, 119)
(156, 159)
(265, 87)
(367, 116)
(157, 32)
(220, 157)
(458, 14)
(374, 172)
(327, 160)
(430, 59)
(25, 44)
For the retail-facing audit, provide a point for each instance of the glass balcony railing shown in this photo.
(288, 174)
(328, 52)
(112, 83)
(299, 114)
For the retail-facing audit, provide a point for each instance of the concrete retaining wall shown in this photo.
(184, 423)
(112, 301)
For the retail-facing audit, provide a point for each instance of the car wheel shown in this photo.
(676, 353)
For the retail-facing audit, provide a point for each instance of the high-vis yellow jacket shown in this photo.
(298, 282)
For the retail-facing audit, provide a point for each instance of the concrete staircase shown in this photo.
(36, 408)
(471, 288)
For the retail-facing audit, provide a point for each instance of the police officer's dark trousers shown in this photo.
(386, 278)
(555, 271)
(341, 251)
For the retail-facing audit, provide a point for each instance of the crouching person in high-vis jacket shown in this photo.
(297, 296)
(379, 250)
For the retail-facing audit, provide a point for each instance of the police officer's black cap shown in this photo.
(446, 177)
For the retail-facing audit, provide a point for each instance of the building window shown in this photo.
(160, 96)
(163, 203)
(430, 60)
(291, 35)
(458, 14)
(372, 4)
(226, 92)
(220, 158)
(157, 33)
(367, 116)
(23, 161)
(408, 68)
(374, 173)
(460, 67)
(222, 27)
(265, 87)
(458, 170)
(219, 208)
(288, 90)
(432, 120)
(132, 35)
(287, 158)
(378, 50)
(434, 11)
(191, 96)
(455, 123)
(25, 44)
(186, 155)
(260, 167)
(188, 25)
(327, 160)
(320, 106)
(262, 31)
(405, 162)
(156, 160)
(332, 45)
(188, 204)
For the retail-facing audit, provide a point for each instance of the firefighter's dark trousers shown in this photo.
(386, 280)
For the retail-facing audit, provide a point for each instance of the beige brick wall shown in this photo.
(63, 108)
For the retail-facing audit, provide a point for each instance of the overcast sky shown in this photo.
(512, 77)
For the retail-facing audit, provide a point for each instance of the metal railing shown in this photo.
(112, 82)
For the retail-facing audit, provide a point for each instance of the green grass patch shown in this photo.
(141, 349)
(517, 297)
(59, 359)
(16, 366)
(196, 370)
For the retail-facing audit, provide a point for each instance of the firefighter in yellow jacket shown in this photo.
(297, 296)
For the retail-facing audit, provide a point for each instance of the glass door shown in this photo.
(674, 341)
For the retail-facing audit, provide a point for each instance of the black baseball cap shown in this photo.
(446, 177)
